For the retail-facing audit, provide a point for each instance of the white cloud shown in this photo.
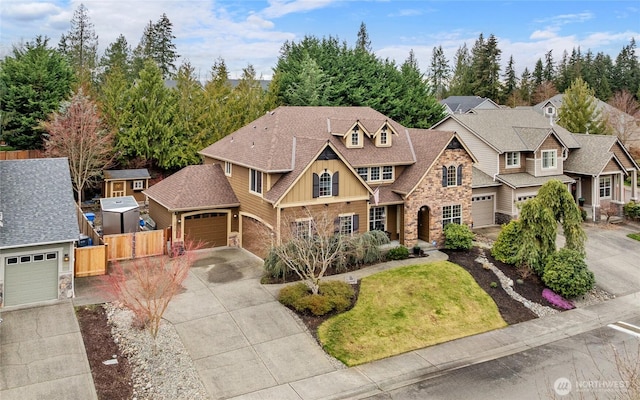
(543, 34)
(279, 8)
(29, 11)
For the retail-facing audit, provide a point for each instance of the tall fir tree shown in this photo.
(439, 73)
(510, 83)
(157, 44)
(626, 73)
(117, 56)
(80, 45)
(462, 78)
(526, 87)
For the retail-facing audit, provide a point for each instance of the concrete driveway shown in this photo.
(613, 257)
(240, 338)
(42, 355)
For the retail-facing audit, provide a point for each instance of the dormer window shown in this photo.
(384, 139)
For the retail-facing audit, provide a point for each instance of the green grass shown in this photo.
(409, 308)
(635, 236)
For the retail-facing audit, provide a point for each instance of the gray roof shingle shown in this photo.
(592, 156)
(141, 173)
(37, 203)
(524, 179)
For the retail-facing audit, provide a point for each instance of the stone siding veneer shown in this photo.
(432, 194)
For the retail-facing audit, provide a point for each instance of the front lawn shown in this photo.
(409, 308)
(634, 236)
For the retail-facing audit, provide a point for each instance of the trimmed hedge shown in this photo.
(566, 273)
(398, 253)
(333, 296)
(458, 237)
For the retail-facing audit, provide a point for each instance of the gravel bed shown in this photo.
(169, 373)
(507, 285)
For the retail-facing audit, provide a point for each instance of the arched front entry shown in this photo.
(423, 223)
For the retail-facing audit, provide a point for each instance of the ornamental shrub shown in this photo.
(332, 296)
(506, 246)
(458, 237)
(631, 210)
(398, 253)
(566, 273)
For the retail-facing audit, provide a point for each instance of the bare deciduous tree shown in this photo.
(76, 132)
(146, 286)
(310, 245)
(625, 119)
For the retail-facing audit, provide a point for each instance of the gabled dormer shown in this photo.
(384, 136)
(354, 138)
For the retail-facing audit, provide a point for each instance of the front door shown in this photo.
(117, 189)
(423, 224)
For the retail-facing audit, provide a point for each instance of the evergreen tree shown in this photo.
(157, 44)
(602, 70)
(511, 82)
(114, 99)
(149, 135)
(548, 74)
(626, 73)
(363, 43)
(216, 119)
(80, 45)
(578, 113)
(248, 99)
(526, 87)
(34, 79)
(538, 73)
(462, 79)
(309, 89)
(144, 50)
(440, 73)
(117, 56)
(186, 122)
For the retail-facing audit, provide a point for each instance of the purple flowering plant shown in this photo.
(557, 300)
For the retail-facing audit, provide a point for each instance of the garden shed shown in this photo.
(120, 215)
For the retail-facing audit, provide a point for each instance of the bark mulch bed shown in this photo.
(112, 382)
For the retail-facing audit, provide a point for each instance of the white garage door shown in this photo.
(482, 211)
(30, 278)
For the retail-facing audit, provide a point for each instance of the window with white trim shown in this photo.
(346, 225)
(303, 228)
(549, 159)
(452, 177)
(363, 172)
(605, 187)
(355, 138)
(138, 185)
(325, 185)
(451, 214)
(227, 168)
(255, 181)
(384, 138)
(387, 173)
(513, 159)
(374, 173)
(376, 219)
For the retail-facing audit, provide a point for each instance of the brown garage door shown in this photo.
(208, 228)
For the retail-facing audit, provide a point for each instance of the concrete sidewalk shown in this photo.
(393, 372)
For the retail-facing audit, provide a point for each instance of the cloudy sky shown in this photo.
(252, 31)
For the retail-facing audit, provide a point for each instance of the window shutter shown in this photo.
(459, 174)
(336, 225)
(356, 223)
(444, 176)
(335, 184)
(259, 180)
(316, 186)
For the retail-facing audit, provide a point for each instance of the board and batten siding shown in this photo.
(512, 170)
(612, 166)
(487, 157)
(349, 186)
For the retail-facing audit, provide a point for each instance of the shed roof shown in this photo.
(111, 174)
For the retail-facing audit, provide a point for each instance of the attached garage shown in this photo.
(208, 228)
(483, 210)
(30, 278)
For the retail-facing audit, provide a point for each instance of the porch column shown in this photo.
(621, 184)
(595, 196)
(634, 185)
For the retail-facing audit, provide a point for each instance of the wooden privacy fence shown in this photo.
(20, 154)
(93, 260)
(127, 246)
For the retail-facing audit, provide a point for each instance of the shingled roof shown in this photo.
(36, 201)
(593, 155)
(141, 173)
(194, 187)
(267, 144)
(513, 129)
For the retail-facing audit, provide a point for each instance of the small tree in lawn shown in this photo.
(77, 132)
(310, 246)
(146, 286)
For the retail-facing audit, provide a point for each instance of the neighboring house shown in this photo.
(626, 126)
(465, 104)
(38, 230)
(125, 182)
(520, 150)
(363, 169)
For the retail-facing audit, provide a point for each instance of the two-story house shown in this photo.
(518, 150)
(466, 104)
(365, 170)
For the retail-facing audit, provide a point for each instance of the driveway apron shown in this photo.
(239, 336)
(42, 355)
